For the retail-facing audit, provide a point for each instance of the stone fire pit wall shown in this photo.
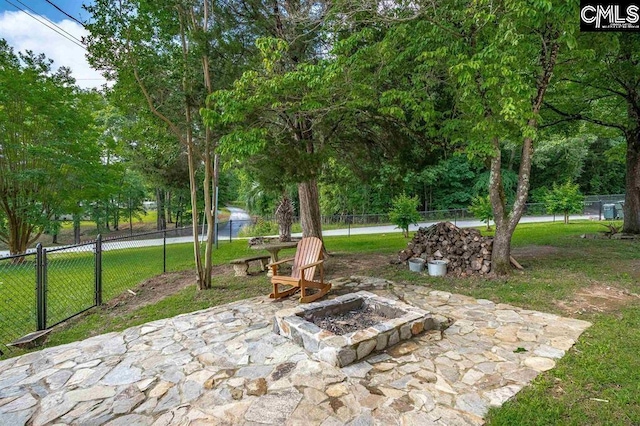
(340, 351)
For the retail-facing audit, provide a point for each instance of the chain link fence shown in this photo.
(592, 208)
(68, 281)
(47, 286)
(17, 297)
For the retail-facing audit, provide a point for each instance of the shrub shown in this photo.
(404, 212)
(481, 208)
(259, 229)
(565, 199)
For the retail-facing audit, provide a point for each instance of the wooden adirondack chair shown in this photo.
(308, 257)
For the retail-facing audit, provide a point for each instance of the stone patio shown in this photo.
(224, 365)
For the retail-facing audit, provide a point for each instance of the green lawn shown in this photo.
(71, 283)
(596, 383)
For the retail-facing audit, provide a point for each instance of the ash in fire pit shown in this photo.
(350, 327)
(358, 318)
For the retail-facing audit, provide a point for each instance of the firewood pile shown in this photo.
(466, 251)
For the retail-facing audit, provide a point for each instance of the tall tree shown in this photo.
(601, 85)
(172, 53)
(45, 145)
(277, 112)
(496, 60)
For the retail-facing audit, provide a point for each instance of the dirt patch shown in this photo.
(598, 298)
(340, 264)
(533, 251)
(634, 268)
(155, 289)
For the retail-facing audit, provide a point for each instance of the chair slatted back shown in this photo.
(309, 251)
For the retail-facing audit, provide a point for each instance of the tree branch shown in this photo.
(582, 117)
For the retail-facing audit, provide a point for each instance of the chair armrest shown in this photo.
(279, 262)
(319, 262)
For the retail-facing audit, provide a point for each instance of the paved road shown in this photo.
(238, 219)
(384, 229)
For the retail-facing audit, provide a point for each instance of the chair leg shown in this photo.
(279, 294)
(274, 293)
(322, 290)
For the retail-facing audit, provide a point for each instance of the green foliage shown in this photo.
(565, 199)
(404, 212)
(49, 159)
(603, 171)
(482, 210)
(260, 229)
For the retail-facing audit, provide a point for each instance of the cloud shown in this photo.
(23, 33)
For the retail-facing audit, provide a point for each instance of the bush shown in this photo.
(481, 209)
(565, 199)
(404, 212)
(259, 229)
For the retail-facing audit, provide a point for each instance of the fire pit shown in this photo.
(350, 327)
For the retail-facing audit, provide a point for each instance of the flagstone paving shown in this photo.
(224, 365)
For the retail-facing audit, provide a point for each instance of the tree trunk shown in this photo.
(76, 229)
(209, 211)
(130, 217)
(116, 215)
(310, 209)
(194, 209)
(566, 218)
(506, 223)
(211, 163)
(501, 251)
(161, 221)
(106, 216)
(502, 240)
(168, 201)
(631, 209)
(54, 237)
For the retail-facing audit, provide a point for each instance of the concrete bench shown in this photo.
(241, 266)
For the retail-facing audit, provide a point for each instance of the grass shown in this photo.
(224, 290)
(596, 383)
(70, 280)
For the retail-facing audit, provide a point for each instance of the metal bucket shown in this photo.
(416, 264)
(437, 268)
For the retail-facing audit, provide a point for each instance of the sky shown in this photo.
(23, 32)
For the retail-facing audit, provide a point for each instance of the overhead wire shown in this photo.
(65, 13)
(77, 43)
(51, 22)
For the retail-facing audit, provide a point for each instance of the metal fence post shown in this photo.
(600, 210)
(98, 271)
(164, 251)
(41, 292)
(230, 229)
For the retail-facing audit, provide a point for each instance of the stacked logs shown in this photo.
(466, 251)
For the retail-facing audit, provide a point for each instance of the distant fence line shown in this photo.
(591, 208)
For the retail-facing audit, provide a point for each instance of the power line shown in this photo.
(45, 24)
(51, 22)
(65, 13)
